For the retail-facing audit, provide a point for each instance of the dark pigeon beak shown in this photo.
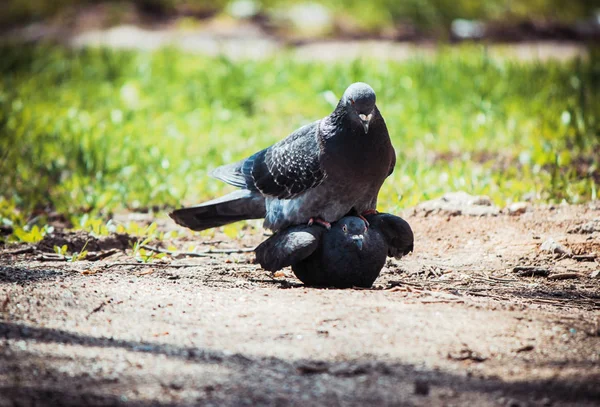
(365, 120)
(358, 240)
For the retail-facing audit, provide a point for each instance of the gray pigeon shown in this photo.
(319, 173)
(350, 254)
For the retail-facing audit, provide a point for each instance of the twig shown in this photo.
(486, 279)
(395, 283)
(283, 283)
(97, 309)
(211, 242)
(151, 265)
(566, 302)
(531, 271)
(441, 301)
(128, 264)
(179, 265)
(486, 295)
(431, 270)
(173, 252)
(94, 256)
(143, 273)
(548, 301)
(503, 280)
(205, 253)
(470, 289)
(51, 257)
(467, 354)
(525, 348)
(584, 257)
(564, 276)
(229, 251)
(23, 250)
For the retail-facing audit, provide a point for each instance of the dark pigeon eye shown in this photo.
(345, 228)
(352, 101)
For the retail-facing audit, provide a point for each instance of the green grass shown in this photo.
(98, 131)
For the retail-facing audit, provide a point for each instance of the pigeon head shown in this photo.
(359, 102)
(352, 229)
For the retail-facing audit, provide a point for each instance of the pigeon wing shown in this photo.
(288, 247)
(396, 231)
(283, 170)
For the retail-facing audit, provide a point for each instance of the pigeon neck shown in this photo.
(340, 122)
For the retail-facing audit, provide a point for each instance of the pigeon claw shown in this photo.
(367, 212)
(365, 220)
(319, 221)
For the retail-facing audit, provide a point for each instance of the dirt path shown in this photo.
(246, 41)
(451, 324)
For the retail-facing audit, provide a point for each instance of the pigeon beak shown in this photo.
(365, 120)
(358, 240)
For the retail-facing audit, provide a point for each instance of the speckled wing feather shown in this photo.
(283, 170)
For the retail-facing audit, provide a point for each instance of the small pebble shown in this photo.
(421, 387)
(550, 245)
(517, 208)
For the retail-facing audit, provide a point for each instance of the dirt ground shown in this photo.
(454, 323)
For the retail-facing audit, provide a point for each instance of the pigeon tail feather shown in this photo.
(233, 207)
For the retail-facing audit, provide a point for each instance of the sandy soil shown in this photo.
(450, 324)
(250, 41)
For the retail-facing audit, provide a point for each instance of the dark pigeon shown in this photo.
(320, 172)
(349, 255)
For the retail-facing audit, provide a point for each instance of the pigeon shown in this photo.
(350, 254)
(319, 173)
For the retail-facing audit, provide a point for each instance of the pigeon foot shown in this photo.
(367, 212)
(319, 221)
(365, 220)
(370, 212)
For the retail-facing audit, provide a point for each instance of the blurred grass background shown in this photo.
(98, 130)
(361, 17)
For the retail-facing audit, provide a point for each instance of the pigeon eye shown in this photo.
(345, 228)
(352, 101)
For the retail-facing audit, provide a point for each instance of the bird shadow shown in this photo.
(253, 379)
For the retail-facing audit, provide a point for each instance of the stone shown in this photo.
(517, 208)
(460, 203)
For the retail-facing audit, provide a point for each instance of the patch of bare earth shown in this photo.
(477, 315)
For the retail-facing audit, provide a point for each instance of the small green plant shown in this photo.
(61, 250)
(31, 235)
(147, 256)
(72, 257)
(143, 255)
(95, 226)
